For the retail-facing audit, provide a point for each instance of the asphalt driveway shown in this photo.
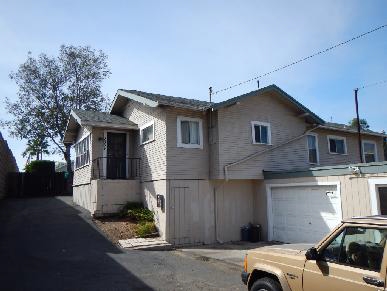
(50, 244)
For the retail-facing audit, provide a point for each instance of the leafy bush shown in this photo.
(137, 212)
(145, 228)
(41, 166)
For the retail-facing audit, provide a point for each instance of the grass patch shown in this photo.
(143, 216)
(136, 212)
(145, 228)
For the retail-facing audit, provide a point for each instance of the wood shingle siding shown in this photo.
(352, 156)
(186, 163)
(82, 175)
(235, 139)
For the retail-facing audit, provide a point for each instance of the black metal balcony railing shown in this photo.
(116, 168)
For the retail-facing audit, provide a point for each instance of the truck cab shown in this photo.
(352, 257)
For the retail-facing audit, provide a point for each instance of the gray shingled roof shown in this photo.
(101, 117)
(345, 127)
(172, 101)
(204, 105)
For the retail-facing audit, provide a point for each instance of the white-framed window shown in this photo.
(260, 132)
(82, 152)
(369, 151)
(337, 145)
(189, 132)
(147, 132)
(312, 142)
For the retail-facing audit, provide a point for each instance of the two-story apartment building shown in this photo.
(203, 168)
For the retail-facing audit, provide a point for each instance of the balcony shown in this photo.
(113, 168)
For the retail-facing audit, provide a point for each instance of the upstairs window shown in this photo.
(147, 132)
(313, 149)
(337, 145)
(189, 132)
(369, 151)
(82, 152)
(261, 132)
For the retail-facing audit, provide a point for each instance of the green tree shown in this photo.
(363, 123)
(37, 147)
(49, 87)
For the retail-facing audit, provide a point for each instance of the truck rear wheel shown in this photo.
(266, 284)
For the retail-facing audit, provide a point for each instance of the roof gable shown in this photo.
(272, 88)
(80, 118)
(154, 100)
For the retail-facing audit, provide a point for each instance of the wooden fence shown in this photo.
(36, 185)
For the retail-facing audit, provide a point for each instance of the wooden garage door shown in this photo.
(189, 215)
(304, 214)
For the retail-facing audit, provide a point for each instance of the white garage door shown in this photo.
(304, 214)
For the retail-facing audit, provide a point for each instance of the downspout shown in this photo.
(210, 137)
(266, 151)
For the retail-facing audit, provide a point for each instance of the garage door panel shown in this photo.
(304, 213)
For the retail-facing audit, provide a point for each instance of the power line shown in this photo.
(301, 60)
(373, 84)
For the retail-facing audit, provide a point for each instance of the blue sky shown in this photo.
(180, 48)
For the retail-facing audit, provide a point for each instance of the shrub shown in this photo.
(137, 212)
(42, 167)
(145, 228)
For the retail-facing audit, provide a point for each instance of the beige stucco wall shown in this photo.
(354, 192)
(112, 195)
(7, 165)
(104, 197)
(84, 196)
(149, 192)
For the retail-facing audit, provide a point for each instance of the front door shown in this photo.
(116, 156)
(383, 199)
(351, 261)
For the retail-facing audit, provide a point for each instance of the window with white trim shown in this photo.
(337, 145)
(369, 151)
(189, 132)
(147, 132)
(261, 132)
(82, 152)
(313, 149)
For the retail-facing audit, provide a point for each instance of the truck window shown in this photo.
(357, 247)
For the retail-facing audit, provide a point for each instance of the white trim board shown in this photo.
(179, 143)
(373, 185)
(269, 200)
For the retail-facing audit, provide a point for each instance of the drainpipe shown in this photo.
(266, 151)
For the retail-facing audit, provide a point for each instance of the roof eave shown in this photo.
(134, 97)
(109, 125)
(68, 136)
(353, 131)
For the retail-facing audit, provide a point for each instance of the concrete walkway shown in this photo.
(145, 244)
(230, 253)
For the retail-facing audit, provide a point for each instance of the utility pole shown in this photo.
(358, 126)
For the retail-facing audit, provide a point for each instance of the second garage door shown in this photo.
(304, 214)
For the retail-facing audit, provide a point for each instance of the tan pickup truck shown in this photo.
(352, 257)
